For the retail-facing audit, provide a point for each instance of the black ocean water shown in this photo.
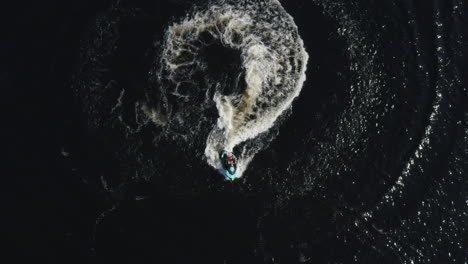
(368, 165)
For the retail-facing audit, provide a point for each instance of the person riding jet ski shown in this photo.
(229, 161)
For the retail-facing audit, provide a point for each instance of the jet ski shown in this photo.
(229, 161)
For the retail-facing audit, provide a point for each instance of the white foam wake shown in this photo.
(273, 60)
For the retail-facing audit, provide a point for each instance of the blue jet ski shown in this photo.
(229, 161)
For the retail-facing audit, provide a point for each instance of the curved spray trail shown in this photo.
(273, 61)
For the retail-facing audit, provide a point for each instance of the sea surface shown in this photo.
(349, 118)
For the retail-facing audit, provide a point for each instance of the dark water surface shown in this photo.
(369, 165)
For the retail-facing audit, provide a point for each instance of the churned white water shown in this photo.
(273, 59)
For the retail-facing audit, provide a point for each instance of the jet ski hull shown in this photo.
(231, 176)
(228, 160)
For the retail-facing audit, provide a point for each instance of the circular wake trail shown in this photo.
(273, 65)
